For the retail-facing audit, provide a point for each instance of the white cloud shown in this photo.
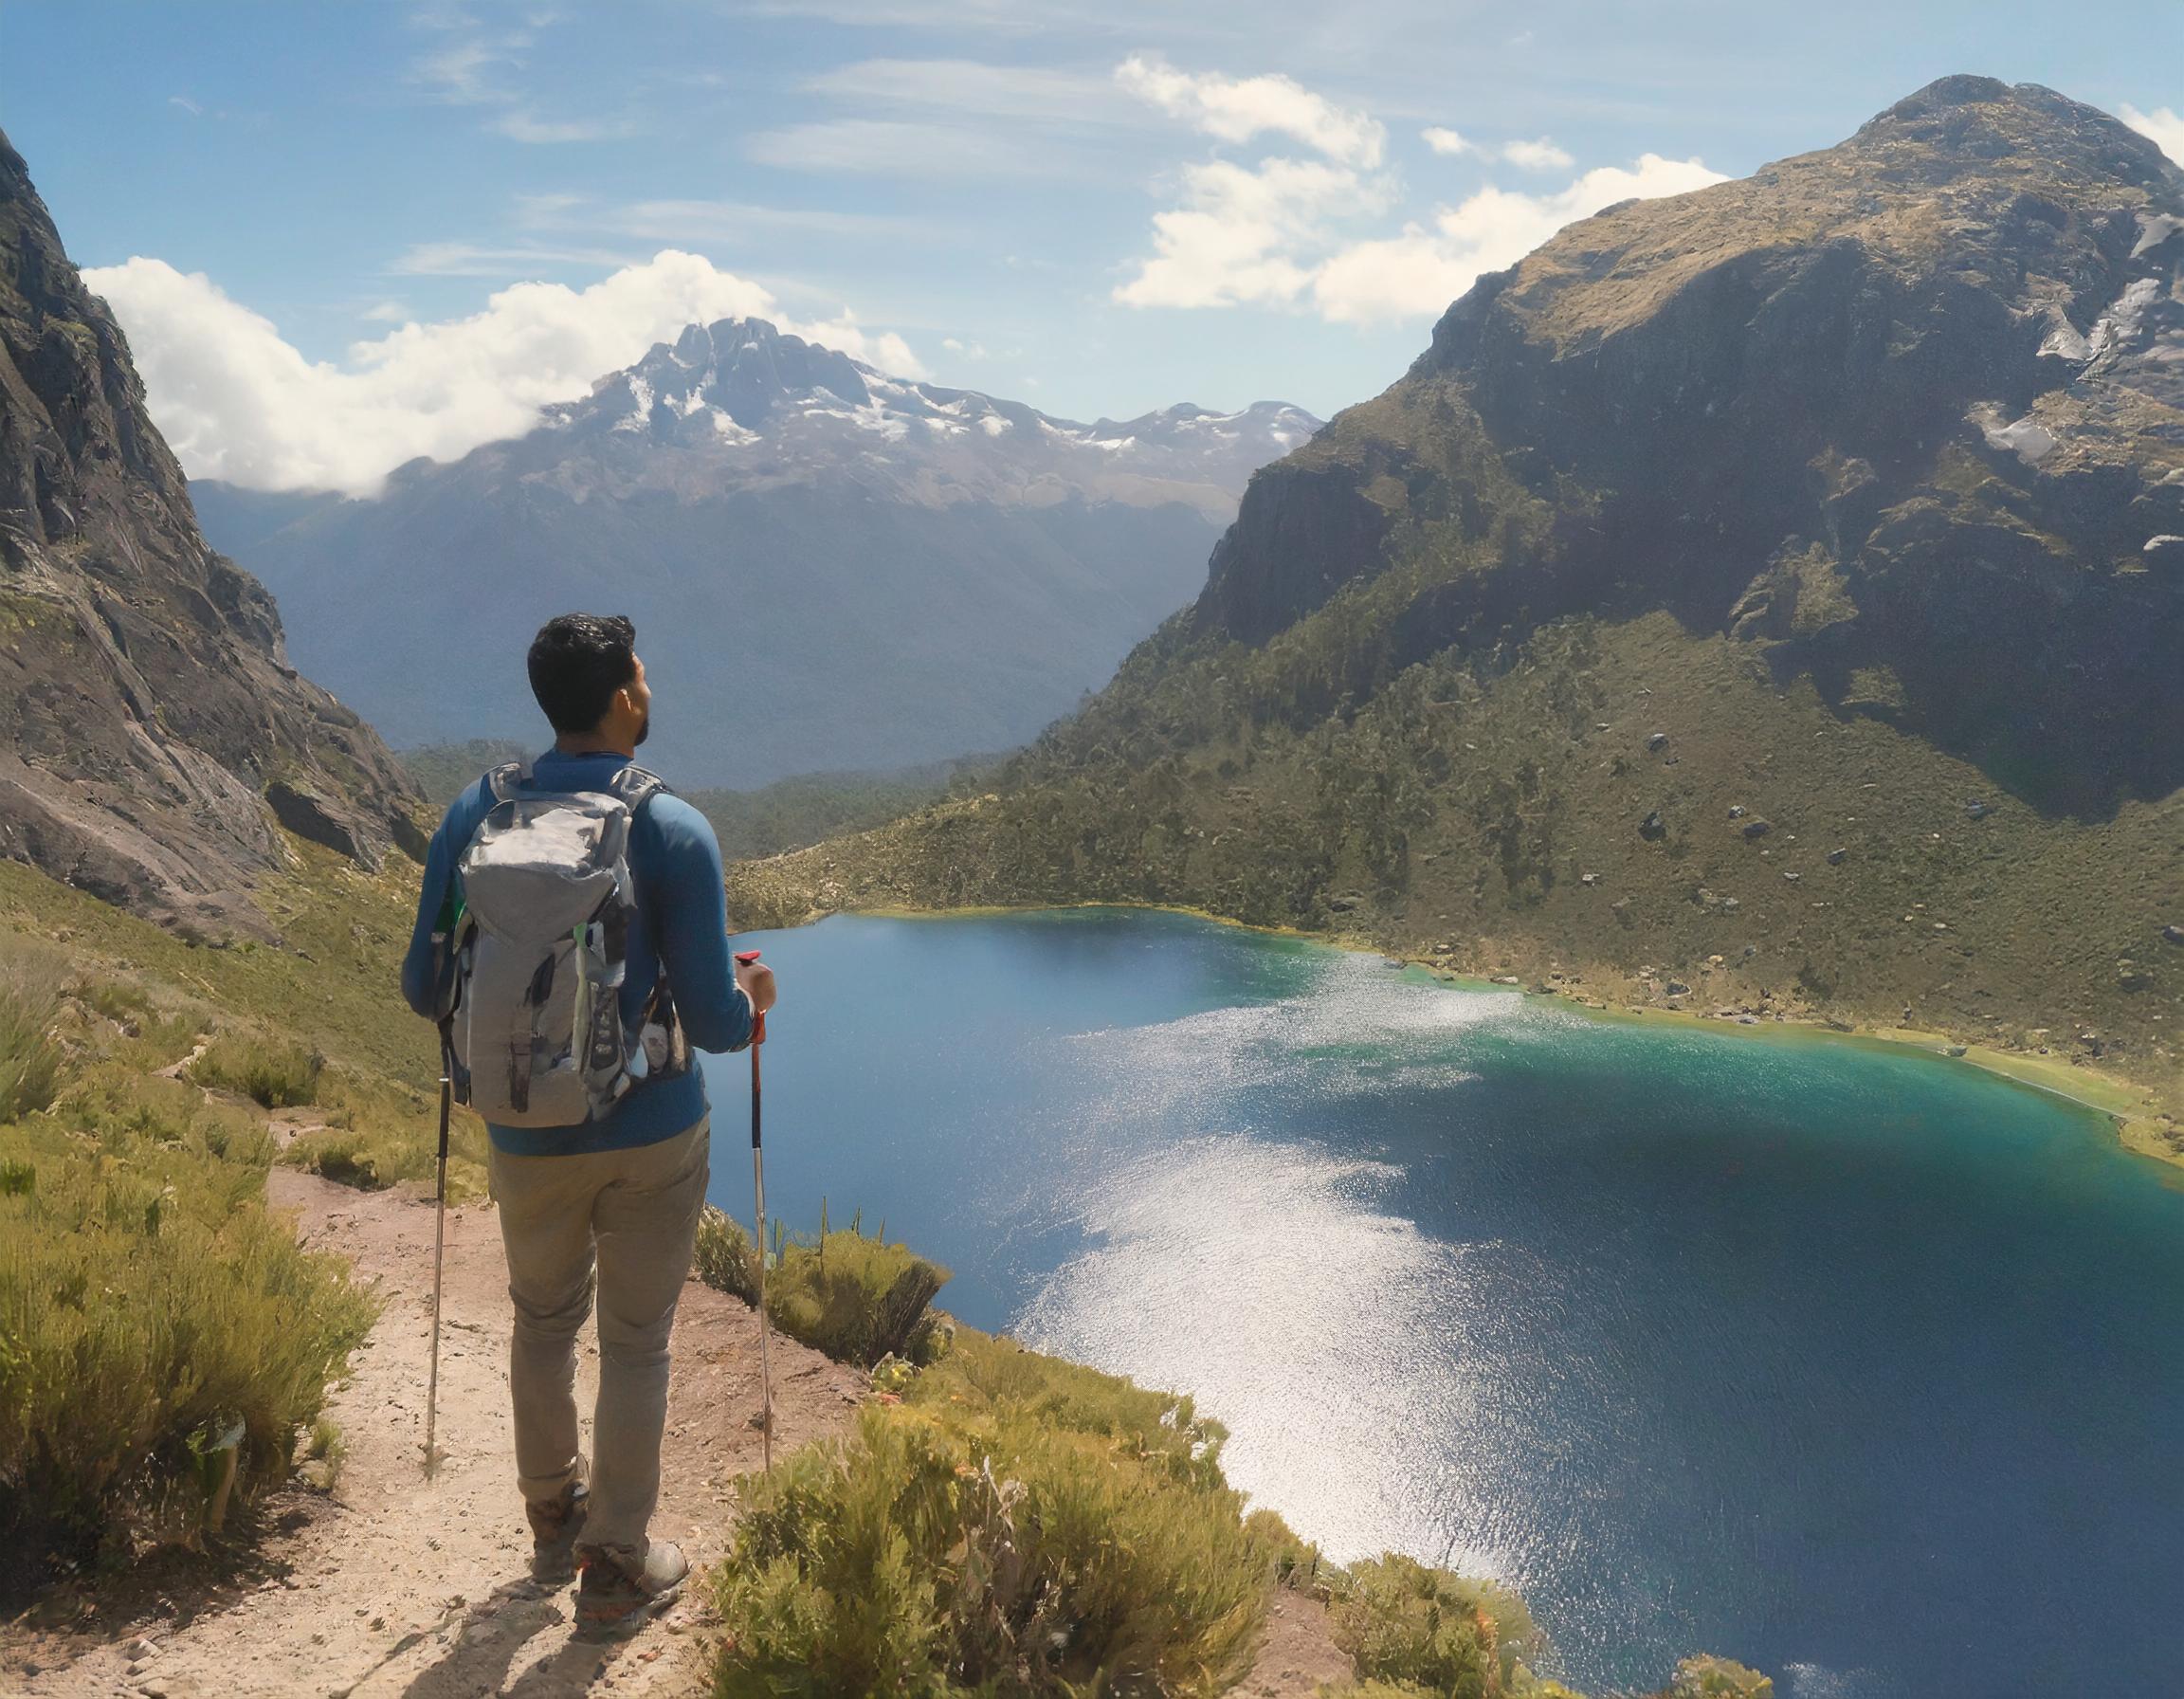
(459, 74)
(386, 312)
(468, 259)
(187, 105)
(888, 147)
(1027, 94)
(237, 401)
(1238, 108)
(1271, 234)
(970, 351)
(1244, 235)
(1418, 273)
(1542, 154)
(525, 126)
(2164, 128)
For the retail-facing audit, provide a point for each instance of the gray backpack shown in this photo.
(535, 1031)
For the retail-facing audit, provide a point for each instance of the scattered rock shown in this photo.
(2172, 934)
(1657, 740)
(1758, 829)
(1507, 979)
(1957, 1050)
(1735, 811)
(1588, 879)
(1653, 827)
(1793, 878)
(1977, 809)
(1676, 988)
(2131, 977)
(1732, 902)
(139, 1648)
(1835, 857)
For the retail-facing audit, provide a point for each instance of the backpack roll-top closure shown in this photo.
(542, 864)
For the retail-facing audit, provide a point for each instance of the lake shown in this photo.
(1861, 1366)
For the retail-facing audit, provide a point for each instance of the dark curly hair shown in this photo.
(577, 662)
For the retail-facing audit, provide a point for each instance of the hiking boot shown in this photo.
(554, 1525)
(621, 1586)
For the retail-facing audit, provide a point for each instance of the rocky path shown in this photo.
(392, 1585)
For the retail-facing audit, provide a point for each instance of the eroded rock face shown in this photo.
(145, 703)
(1908, 407)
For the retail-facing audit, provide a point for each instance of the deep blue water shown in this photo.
(1859, 1365)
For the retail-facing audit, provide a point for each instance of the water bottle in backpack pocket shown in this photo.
(536, 1030)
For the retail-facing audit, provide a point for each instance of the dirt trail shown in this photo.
(392, 1585)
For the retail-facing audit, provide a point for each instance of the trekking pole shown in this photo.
(758, 1192)
(439, 1255)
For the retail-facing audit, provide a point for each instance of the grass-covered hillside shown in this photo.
(164, 1343)
(1514, 816)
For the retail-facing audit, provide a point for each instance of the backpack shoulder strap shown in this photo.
(504, 779)
(637, 786)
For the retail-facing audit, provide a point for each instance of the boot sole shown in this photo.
(593, 1624)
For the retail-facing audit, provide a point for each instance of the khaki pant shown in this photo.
(633, 1215)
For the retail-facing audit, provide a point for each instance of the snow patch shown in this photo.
(728, 430)
(640, 406)
(2027, 438)
(2154, 230)
(2120, 324)
(995, 425)
(2165, 540)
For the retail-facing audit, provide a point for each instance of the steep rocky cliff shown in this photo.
(151, 732)
(1901, 414)
(1768, 598)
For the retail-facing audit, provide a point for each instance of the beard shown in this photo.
(643, 729)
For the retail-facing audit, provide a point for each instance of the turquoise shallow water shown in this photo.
(1859, 1365)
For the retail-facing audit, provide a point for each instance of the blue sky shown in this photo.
(976, 187)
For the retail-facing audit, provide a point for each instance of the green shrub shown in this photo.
(378, 1134)
(1017, 1526)
(1718, 1678)
(271, 1071)
(723, 1258)
(856, 1299)
(30, 1057)
(1404, 1622)
(147, 1300)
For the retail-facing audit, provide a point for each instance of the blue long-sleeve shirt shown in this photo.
(682, 924)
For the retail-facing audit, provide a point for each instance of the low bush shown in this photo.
(856, 1298)
(1405, 1621)
(1016, 1525)
(148, 1303)
(378, 1134)
(271, 1071)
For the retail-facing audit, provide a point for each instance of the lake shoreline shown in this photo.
(2132, 1111)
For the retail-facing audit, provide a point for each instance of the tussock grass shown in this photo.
(855, 1298)
(274, 1072)
(30, 1054)
(379, 1133)
(148, 1302)
(1017, 1525)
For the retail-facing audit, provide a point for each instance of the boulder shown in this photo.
(1653, 828)
(1758, 829)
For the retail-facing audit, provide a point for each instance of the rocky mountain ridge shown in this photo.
(1901, 413)
(829, 569)
(152, 731)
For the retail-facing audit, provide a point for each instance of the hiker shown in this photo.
(572, 940)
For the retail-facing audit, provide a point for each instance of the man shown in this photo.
(612, 1201)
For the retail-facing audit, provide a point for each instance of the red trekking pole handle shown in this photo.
(744, 958)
